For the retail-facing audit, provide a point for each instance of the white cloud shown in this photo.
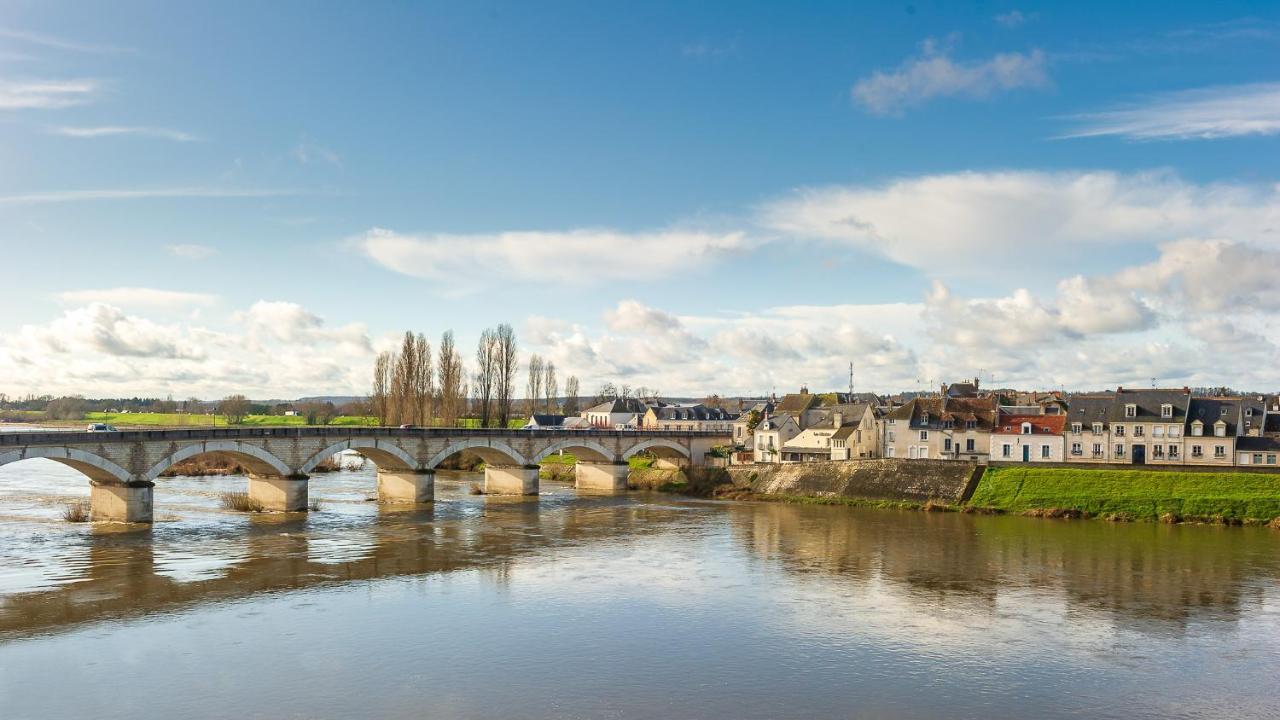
(1012, 19)
(69, 196)
(59, 43)
(45, 94)
(307, 153)
(117, 130)
(277, 350)
(192, 251)
(579, 257)
(1207, 113)
(980, 222)
(934, 74)
(135, 297)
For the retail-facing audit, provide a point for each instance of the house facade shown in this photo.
(687, 417)
(1147, 426)
(1028, 439)
(941, 428)
(616, 413)
(773, 432)
(1087, 428)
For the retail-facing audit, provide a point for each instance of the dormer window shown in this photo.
(1197, 428)
(1131, 410)
(1026, 428)
(1097, 428)
(1166, 410)
(947, 424)
(1248, 412)
(970, 424)
(1076, 428)
(924, 418)
(1220, 429)
(1222, 412)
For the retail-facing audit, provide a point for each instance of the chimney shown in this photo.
(837, 420)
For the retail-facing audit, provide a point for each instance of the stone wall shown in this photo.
(950, 481)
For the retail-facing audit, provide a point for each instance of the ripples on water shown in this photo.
(644, 606)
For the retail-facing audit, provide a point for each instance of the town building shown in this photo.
(774, 431)
(1028, 438)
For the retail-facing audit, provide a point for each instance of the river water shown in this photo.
(643, 606)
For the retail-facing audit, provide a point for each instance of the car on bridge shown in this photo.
(102, 427)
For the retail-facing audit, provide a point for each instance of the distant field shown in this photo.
(181, 420)
(1135, 494)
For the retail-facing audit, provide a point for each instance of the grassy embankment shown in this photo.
(1131, 494)
(560, 467)
(1103, 493)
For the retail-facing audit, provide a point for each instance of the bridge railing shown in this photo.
(82, 437)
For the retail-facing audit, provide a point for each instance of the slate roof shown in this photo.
(1148, 404)
(691, 412)
(797, 402)
(1210, 410)
(1258, 444)
(1089, 409)
(546, 420)
(619, 405)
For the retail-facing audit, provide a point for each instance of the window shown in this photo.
(969, 445)
(1138, 430)
(924, 434)
(1220, 430)
(890, 436)
(947, 424)
(924, 418)
(1130, 411)
(1026, 428)
(1166, 410)
(1197, 451)
(1157, 431)
(1157, 451)
(1119, 430)
(1271, 459)
(970, 424)
(1006, 450)
(1097, 449)
(1119, 451)
(1257, 458)
(1219, 451)
(946, 445)
(1173, 452)
(1044, 451)
(1197, 429)
(1076, 449)
(890, 453)
(1097, 428)
(1075, 428)
(1175, 431)
(1248, 412)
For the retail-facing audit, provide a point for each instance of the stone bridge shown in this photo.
(122, 466)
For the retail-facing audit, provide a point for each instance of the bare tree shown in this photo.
(482, 385)
(608, 391)
(380, 398)
(571, 395)
(234, 408)
(533, 391)
(507, 361)
(550, 386)
(317, 413)
(452, 381)
(423, 382)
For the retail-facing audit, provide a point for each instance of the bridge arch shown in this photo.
(660, 447)
(595, 451)
(491, 451)
(98, 469)
(387, 456)
(257, 460)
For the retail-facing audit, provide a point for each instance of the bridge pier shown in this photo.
(510, 479)
(279, 493)
(406, 486)
(607, 478)
(129, 503)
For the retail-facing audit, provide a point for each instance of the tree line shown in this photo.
(413, 386)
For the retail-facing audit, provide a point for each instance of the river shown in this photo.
(643, 606)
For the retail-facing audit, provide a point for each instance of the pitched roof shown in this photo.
(1211, 410)
(1089, 409)
(546, 419)
(845, 432)
(1148, 404)
(1040, 424)
(691, 412)
(1254, 444)
(797, 402)
(619, 405)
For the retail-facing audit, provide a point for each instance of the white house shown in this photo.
(1028, 438)
(771, 434)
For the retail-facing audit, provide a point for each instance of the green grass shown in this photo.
(1136, 494)
(181, 420)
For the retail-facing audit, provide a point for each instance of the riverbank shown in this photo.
(1118, 495)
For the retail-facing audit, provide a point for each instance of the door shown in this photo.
(1139, 454)
(1026, 453)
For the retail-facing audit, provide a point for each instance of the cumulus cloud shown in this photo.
(583, 256)
(102, 350)
(934, 74)
(45, 94)
(1205, 114)
(133, 297)
(979, 221)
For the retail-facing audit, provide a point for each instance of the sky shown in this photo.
(200, 199)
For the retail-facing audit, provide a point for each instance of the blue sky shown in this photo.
(721, 197)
